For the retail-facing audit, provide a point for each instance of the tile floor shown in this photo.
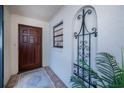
(54, 78)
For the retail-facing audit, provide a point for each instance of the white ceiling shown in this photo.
(40, 12)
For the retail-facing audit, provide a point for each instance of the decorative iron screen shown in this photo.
(87, 30)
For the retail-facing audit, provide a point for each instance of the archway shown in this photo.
(85, 44)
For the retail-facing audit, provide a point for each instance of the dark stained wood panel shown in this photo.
(30, 51)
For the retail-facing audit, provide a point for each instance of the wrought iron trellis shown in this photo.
(84, 37)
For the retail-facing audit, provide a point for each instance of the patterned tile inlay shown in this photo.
(13, 81)
(37, 78)
(57, 82)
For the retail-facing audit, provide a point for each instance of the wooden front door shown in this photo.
(30, 42)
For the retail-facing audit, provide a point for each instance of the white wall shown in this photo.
(111, 29)
(15, 20)
(110, 37)
(7, 47)
(61, 59)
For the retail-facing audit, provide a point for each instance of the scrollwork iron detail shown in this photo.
(84, 37)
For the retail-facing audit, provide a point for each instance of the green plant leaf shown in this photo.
(108, 68)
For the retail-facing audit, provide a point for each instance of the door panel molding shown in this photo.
(30, 47)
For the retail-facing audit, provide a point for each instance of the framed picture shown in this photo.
(58, 35)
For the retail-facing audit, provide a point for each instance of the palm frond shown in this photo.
(77, 82)
(108, 68)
